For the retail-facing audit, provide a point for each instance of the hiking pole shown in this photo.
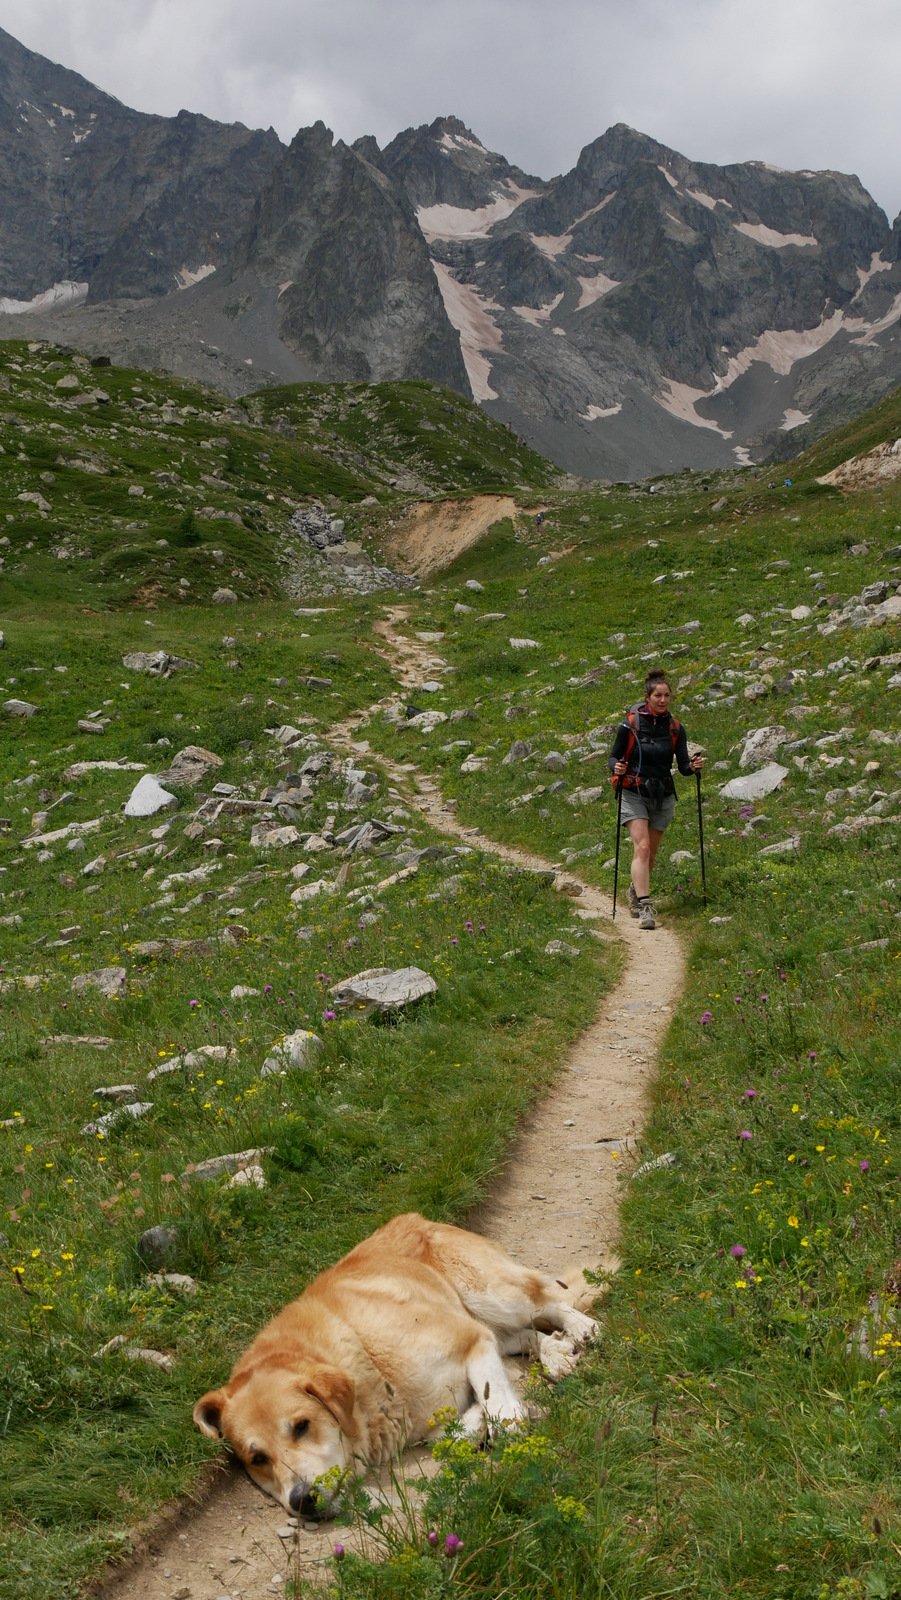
(619, 813)
(701, 837)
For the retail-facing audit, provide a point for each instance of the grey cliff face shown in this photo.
(359, 299)
(125, 204)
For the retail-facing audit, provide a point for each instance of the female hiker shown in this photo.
(641, 762)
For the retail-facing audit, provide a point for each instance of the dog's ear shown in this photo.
(208, 1413)
(337, 1391)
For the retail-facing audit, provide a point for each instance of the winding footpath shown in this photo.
(555, 1201)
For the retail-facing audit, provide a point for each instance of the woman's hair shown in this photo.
(652, 680)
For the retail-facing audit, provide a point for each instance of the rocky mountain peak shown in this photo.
(446, 164)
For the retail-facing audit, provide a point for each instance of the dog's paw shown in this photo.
(580, 1328)
(558, 1355)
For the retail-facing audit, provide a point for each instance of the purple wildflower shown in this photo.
(738, 1250)
(329, 1016)
(750, 1094)
(339, 1552)
(863, 1166)
(706, 1016)
(432, 1537)
(452, 1544)
(745, 1133)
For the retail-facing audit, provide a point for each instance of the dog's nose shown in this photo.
(304, 1500)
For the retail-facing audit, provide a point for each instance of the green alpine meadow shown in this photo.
(170, 970)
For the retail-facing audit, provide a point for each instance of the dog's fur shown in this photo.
(415, 1320)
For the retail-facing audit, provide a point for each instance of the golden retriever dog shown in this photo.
(415, 1320)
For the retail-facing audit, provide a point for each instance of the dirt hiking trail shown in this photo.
(554, 1203)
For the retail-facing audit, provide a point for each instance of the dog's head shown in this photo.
(292, 1427)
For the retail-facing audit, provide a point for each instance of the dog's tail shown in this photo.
(584, 1283)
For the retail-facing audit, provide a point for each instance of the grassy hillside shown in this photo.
(120, 487)
(737, 1431)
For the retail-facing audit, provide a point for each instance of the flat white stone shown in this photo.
(756, 784)
(147, 798)
(383, 989)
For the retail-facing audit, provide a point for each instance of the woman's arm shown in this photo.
(687, 765)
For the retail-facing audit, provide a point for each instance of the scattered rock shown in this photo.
(252, 1177)
(158, 1245)
(190, 766)
(220, 1166)
(178, 1282)
(157, 663)
(383, 989)
(94, 1042)
(657, 1164)
(783, 847)
(134, 1110)
(111, 981)
(297, 1052)
(762, 746)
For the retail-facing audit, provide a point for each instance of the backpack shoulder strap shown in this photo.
(675, 728)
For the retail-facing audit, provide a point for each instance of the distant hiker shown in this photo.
(641, 762)
(539, 519)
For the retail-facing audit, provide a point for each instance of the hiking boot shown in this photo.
(632, 901)
(646, 918)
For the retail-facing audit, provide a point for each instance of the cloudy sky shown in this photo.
(799, 83)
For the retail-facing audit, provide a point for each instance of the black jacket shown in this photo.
(652, 758)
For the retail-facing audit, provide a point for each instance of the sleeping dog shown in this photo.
(415, 1320)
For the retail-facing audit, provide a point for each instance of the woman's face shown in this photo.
(659, 699)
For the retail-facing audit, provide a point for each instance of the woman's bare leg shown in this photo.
(654, 838)
(641, 856)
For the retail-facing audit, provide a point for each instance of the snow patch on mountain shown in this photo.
(776, 241)
(780, 349)
(551, 244)
(460, 141)
(58, 295)
(470, 313)
(458, 222)
(680, 399)
(793, 419)
(186, 276)
(869, 330)
(594, 413)
(864, 274)
(538, 314)
(707, 200)
(593, 210)
(594, 289)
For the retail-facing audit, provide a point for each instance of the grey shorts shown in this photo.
(657, 814)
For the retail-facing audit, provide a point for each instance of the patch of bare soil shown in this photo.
(555, 1202)
(880, 465)
(432, 533)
